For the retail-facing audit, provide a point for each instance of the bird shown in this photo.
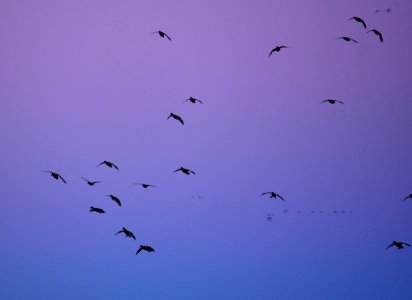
(162, 34)
(332, 101)
(127, 233)
(357, 19)
(176, 117)
(96, 209)
(348, 39)
(377, 33)
(109, 164)
(91, 183)
(389, 10)
(377, 11)
(276, 49)
(399, 245)
(409, 196)
(145, 185)
(55, 176)
(185, 171)
(115, 199)
(193, 100)
(273, 195)
(145, 248)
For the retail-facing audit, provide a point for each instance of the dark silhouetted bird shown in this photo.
(145, 248)
(348, 39)
(91, 183)
(377, 11)
(127, 233)
(162, 34)
(115, 199)
(409, 196)
(55, 175)
(176, 117)
(332, 101)
(276, 49)
(185, 171)
(273, 195)
(377, 33)
(357, 19)
(109, 164)
(193, 100)
(399, 245)
(389, 10)
(96, 209)
(145, 185)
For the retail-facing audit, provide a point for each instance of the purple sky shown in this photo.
(85, 81)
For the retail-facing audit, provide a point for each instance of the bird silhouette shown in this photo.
(399, 245)
(377, 11)
(55, 176)
(185, 171)
(127, 233)
(96, 209)
(162, 34)
(145, 185)
(357, 19)
(276, 49)
(145, 248)
(115, 199)
(176, 117)
(109, 164)
(389, 10)
(193, 100)
(348, 39)
(377, 33)
(332, 101)
(273, 195)
(91, 183)
(409, 196)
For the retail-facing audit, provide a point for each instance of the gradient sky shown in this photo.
(85, 81)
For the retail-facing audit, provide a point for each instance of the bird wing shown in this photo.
(155, 32)
(100, 164)
(192, 172)
(168, 37)
(280, 197)
(138, 250)
(177, 170)
(181, 120)
(116, 167)
(132, 235)
(409, 196)
(96, 182)
(380, 36)
(354, 40)
(62, 178)
(117, 201)
(273, 50)
(340, 102)
(85, 179)
(119, 232)
(406, 244)
(200, 101)
(390, 245)
(265, 193)
(324, 101)
(363, 22)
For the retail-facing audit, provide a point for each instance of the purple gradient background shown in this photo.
(85, 81)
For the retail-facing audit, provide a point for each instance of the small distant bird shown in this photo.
(55, 175)
(332, 101)
(389, 10)
(115, 199)
(276, 49)
(91, 183)
(348, 39)
(399, 245)
(273, 195)
(377, 33)
(357, 19)
(145, 248)
(127, 233)
(377, 11)
(193, 100)
(162, 34)
(96, 209)
(109, 164)
(409, 196)
(176, 117)
(145, 185)
(185, 171)
(269, 217)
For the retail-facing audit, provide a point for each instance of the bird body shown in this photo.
(55, 176)
(377, 33)
(109, 164)
(332, 101)
(145, 248)
(357, 19)
(176, 117)
(399, 245)
(145, 185)
(96, 209)
(193, 100)
(127, 233)
(162, 34)
(348, 39)
(277, 49)
(115, 199)
(273, 195)
(91, 183)
(185, 171)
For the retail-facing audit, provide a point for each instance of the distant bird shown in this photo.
(273, 195)
(377, 11)
(115, 199)
(145, 248)
(332, 101)
(389, 10)
(269, 217)
(162, 34)
(55, 176)
(176, 117)
(91, 183)
(409, 196)
(109, 164)
(377, 33)
(399, 245)
(357, 19)
(96, 209)
(276, 49)
(185, 171)
(127, 233)
(348, 39)
(145, 185)
(193, 100)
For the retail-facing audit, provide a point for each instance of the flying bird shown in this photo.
(273, 195)
(96, 209)
(176, 117)
(193, 100)
(377, 33)
(409, 196)
(332, 101)
(162, 34)
(357, 19)
(115, 199)
(91, 183)
(399, 245)
(185, 171)
(145, 185)
(276, 49)
(55, 176)
(145, 248)
(348, 39)
(127, 233)
(109, 164)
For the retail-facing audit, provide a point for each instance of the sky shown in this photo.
(86, 81)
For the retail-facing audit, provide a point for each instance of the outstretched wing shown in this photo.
(102, 163)
(192, 172)
(181, 120)
(273, 50)
(280, 197)
(180, 169)
(115, 166)
(168, 37)
(265, 193)
(132, 235)
(406, 244)
(138, 250)
(409, 196)
(84, 179)
(340, 102)
(119, 232)
(62, 179)
(390, 245)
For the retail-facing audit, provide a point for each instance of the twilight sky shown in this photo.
(85, 81)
